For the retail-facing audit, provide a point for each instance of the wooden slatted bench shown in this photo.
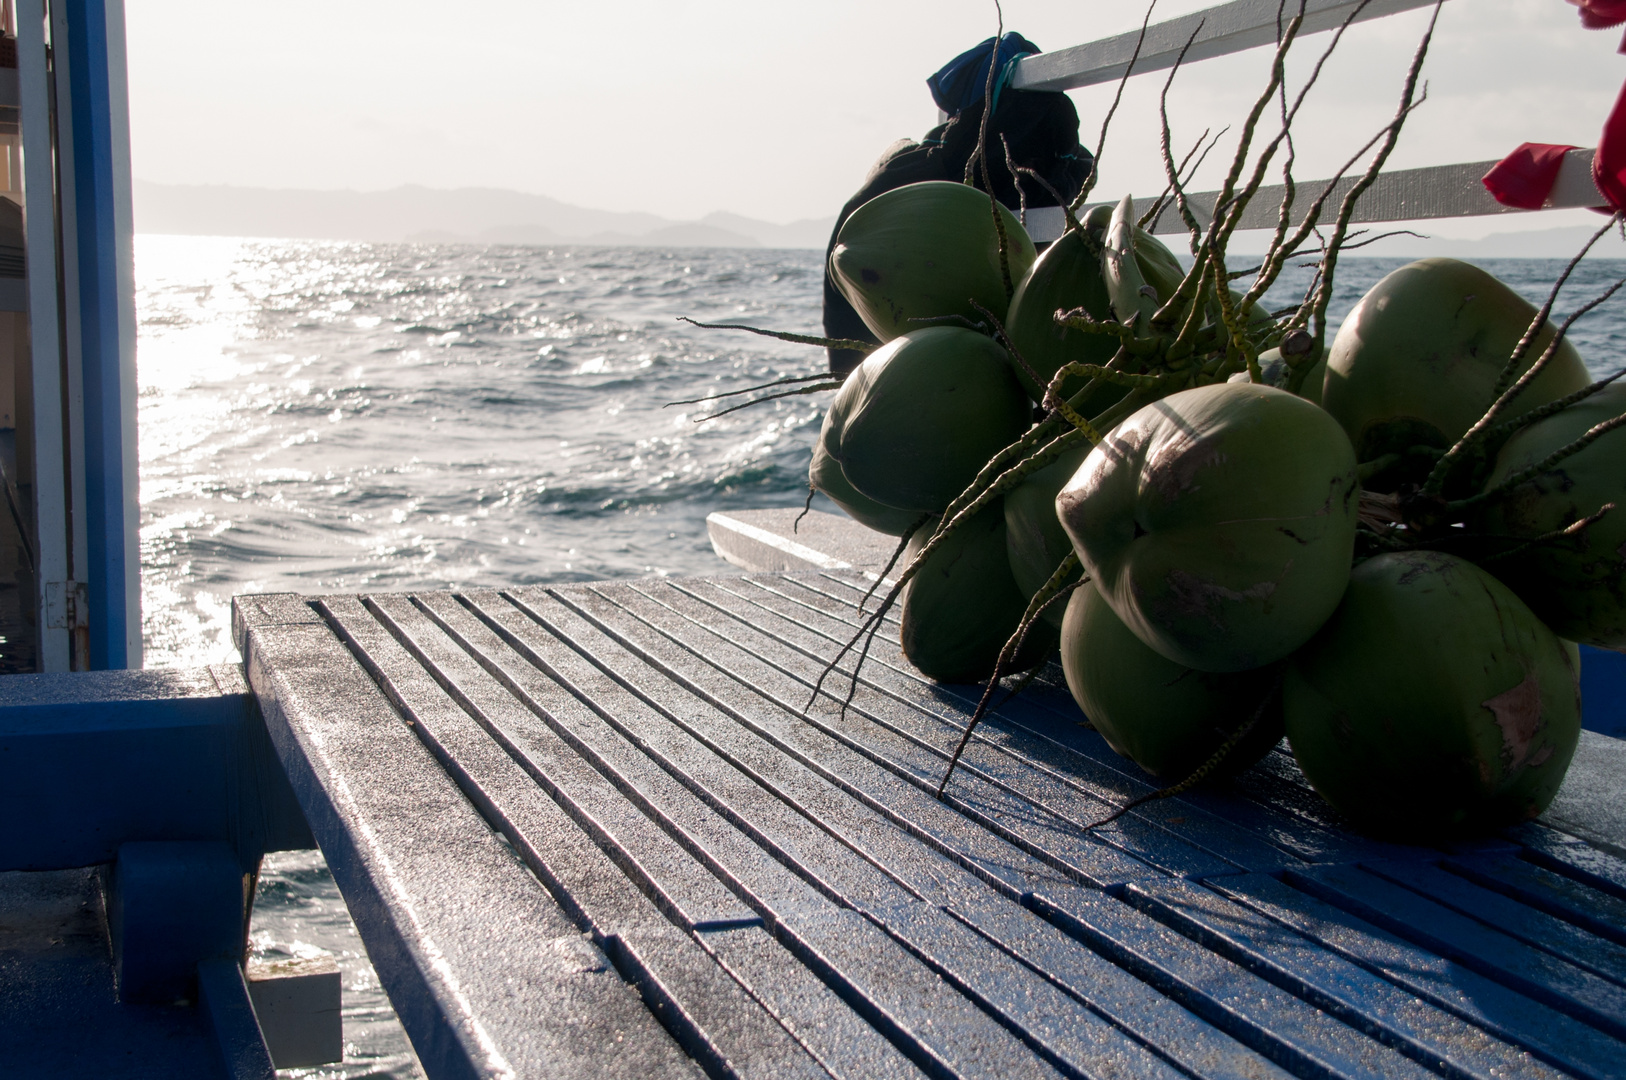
(589, 831)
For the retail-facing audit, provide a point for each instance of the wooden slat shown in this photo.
(415, 860)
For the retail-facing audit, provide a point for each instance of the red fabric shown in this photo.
(1525, 177)
(1601, 14)
(1609, 163)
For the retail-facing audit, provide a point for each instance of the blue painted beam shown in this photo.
(96, 102)
(170, 906)
(90, 761)
(224, 995)
(1603, 691)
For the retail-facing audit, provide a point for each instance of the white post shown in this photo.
(53, 571)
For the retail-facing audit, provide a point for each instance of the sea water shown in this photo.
(324, 417)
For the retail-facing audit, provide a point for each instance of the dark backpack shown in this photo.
(1040, 127)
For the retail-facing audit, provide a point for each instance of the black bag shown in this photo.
(1040, 127)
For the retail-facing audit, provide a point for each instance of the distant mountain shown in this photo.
(428, 215)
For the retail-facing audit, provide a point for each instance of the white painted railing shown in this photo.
(1404, 195)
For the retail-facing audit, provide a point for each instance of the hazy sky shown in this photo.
(765, 108)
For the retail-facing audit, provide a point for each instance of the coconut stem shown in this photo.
(979, 158)
(782, 335)
(897, 553)
(1390, 136)
(1289, 114)
(1506, 430)
(1050, 189)
(1010, 346)
(1546, 309)
(1106, 122)
(1056, 586)
(1016, 181)
(962, 510)
(1080, 319)
(1546, 538)
(818, 389)
(823, 376)
(1151, 217)
(1436, 478)
(1169, 168)
(1593, 434)
(807, 508)
(867, 628)
(1229, 205)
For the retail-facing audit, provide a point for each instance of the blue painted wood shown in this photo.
(1544, 890)
(1007, 753)
(1572, 858)
(60, 1016)
(1235, 829)
(1106, 989)
(1358, 997)
(1549, 1034)
(447, 913)
(937, 1027)
(1563, 939)
(708, 1014)
(108, 371)
(920, 754)
(223, 994)
(1285, 1028)
(172, 905)
(153, 755)
(777, 880)
(1603, 691)
(1531, 971)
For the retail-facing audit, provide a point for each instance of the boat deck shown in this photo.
(590, 831)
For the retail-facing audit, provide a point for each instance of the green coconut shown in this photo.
(928, 410)
(1433, 702)
(1417, 360)
(1034, 539)
(1157, 264)
(1166, 718)
(1576, 584)
(1067, 276)
(1219, 523)
(962, 605)
(926, 251)
(825, 475)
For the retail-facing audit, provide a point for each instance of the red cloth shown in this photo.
(1525, 177)
(1601, 14)
(1609, 163)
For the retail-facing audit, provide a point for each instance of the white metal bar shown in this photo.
(45, 342)
(1228, 28)
(1438, 191)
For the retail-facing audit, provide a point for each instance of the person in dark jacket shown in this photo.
(1040, 127)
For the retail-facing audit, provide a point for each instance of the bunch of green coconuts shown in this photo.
(1383, 548)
